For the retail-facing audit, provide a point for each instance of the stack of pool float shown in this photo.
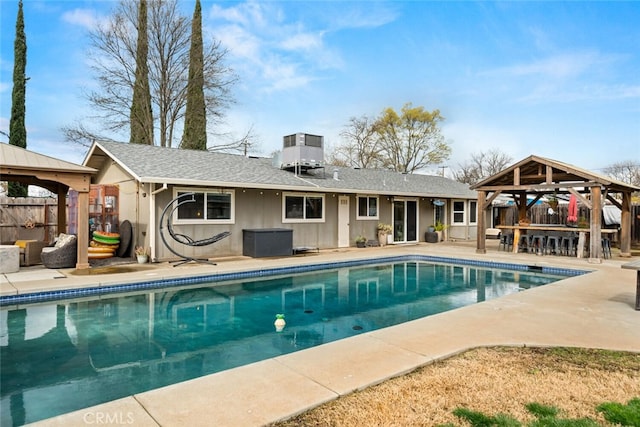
(103, 244)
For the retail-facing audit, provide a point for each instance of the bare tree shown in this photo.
(481, 165)
(627, 171)
(247, 142)
(113, 56)
(360, 148)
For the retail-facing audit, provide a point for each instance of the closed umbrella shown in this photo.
(572, 215)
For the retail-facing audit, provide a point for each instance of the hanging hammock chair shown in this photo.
(182, 238)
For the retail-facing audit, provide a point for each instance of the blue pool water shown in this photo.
(68, 354)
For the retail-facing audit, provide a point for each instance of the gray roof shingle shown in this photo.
(191, 167)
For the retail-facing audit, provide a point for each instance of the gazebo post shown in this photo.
(62, 208)
(481, 229)
(625, 225)
(595, 242)
(83, 231)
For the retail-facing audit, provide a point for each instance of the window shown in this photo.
(208, 206)
(367, 207)
(473, 211)
(303, 208)
(458, 212)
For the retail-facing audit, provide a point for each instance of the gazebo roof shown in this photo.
(27, 167)
(33, 168)
(536, 173)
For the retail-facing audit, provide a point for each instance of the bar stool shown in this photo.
(506, 242)
(524, 243)
(553, 243)
(569, 244)
(538, 242)
(606, 247)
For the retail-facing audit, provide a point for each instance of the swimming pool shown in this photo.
(95, 349)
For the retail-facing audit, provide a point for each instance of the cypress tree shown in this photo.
(141, 113)
(195, 120)
(17, 129)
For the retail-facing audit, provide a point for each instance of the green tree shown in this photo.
(113, 60)
(195, 118)
(141, 113)
(412, 140)
(17, 128)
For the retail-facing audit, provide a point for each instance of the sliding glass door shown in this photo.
(405, 220)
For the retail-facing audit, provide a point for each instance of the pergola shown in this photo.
(57, 176)
(538, 176)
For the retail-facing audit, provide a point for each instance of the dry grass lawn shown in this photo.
(492, 381)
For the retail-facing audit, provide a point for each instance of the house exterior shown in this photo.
(325, 207)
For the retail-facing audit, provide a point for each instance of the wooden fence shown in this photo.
(28, 218)
(539, 214)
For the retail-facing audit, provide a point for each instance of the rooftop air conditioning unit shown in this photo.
(302, 151)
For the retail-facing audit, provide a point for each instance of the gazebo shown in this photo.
(57, 176)
(530, 179)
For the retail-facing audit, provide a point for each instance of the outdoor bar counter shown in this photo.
(583, 233)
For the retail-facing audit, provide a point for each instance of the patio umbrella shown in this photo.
(572, 215)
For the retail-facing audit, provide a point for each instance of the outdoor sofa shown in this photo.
(29, 251)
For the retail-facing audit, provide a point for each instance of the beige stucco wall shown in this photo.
(254, 208)
(131, 205)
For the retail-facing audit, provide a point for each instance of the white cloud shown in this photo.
(558, 66)
(282, 52)
(571, 77)
(302, 41)
(82, 17)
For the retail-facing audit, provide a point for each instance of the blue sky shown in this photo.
(555, 79)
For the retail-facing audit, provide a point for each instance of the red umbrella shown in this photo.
(572, 215)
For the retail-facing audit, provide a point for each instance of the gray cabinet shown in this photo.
(266, 242)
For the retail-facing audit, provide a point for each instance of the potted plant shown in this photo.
(361, 241)
(142, 254)
(383, 231)
(439, 228)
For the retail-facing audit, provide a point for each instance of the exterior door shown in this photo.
(343, 221)
(405, 221)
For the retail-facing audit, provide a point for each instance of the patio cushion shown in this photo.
(22, 243)
(64, 239)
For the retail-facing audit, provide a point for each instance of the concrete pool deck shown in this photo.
(595, 310)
